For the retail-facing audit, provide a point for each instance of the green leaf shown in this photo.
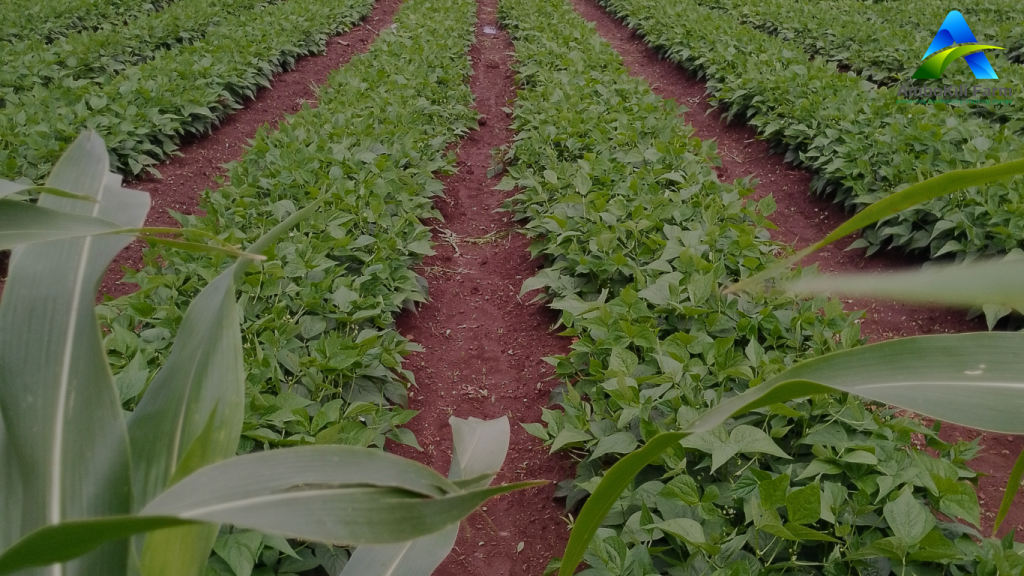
(58, 399)
(935, 187)
(687, 530)
(417, 557)
(26, 223)
(190, 417)
(617, 443)
(1012, 486)
(971, 284)
(978, 374)
(860, 457)
(909, 520)
(682, 488)
(478, 453)
(961, 501)
(748, 439)
(569, 435)
(479, 450)
(615, 480)
(71, 539)
(803, 505)
(773, 492)
(362, 496)
(239, 550)
(804, 533)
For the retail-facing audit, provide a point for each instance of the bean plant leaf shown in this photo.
(59, 402)
(976, 372)
(908, 518)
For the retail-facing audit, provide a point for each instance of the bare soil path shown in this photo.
(802, 219)
(200, 163)
(482, 345)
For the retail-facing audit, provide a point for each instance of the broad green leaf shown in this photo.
(935, 187)
(7, 187)
(685, 529)
(190, 417)
(682, 488)
(203, 378)
(908, 519)
(71, 539)
(804, 533)
(969, 379)
(773, 492)
(617, 443)
(568, 435)
(192, 413)
(860, 457)
(479, 449)
(959, 500)
(238, 549)
(1012, 487)
(419, 557)
(26, 223)
(971, 284)
(59, 402)
(615, 480)
(362, 496)
(748, 439)
(803, 505)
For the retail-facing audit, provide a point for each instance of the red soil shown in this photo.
(482, 344)
(802, 219)
(199, 164)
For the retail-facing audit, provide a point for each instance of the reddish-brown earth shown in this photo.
(482, 344)
(200, 162)
(803, 218)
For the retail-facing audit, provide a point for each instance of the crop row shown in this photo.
(861, 141)
(321, 352)
(885, 45)
(101, 54)
(143, 112)
(639, 237)
(883, 42)
(49, 19)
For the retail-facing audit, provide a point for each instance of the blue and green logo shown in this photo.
(955, 40)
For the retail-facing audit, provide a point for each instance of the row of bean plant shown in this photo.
(323, 358)
(887, 48)
(860, 140)
(50, 19)
(143, 112)
(101, 54)
(639, 237)
(883, 42)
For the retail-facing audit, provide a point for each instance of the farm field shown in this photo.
(534, 210)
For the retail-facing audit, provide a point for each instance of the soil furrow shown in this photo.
(803, 218)
(200, 163)
(482, 344)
